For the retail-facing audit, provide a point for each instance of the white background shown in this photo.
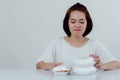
(28, 26)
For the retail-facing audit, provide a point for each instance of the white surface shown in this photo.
(17, 74)
(28, 26)
(60, 73)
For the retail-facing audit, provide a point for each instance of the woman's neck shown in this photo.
(77, 39)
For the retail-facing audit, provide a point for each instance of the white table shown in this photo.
(48, 75)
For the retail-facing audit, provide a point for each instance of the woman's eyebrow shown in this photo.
(75, 19)
(82, 19)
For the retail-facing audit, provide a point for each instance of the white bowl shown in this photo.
(84, 62)
(84, 71)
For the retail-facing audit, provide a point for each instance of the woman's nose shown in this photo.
(78, 25)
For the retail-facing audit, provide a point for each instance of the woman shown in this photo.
(77, 25)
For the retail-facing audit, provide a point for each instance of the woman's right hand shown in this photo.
(47, 66)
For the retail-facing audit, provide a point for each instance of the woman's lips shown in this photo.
(77, 29)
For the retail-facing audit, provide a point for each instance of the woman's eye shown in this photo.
(82, 22)
(72, 22)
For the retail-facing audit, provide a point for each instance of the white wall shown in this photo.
(28, 26)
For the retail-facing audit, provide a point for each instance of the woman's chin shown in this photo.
(78, 35)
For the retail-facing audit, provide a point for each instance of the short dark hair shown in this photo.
(82, 8)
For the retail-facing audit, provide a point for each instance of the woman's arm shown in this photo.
(47, 66)
(110, 65)
(105, 66)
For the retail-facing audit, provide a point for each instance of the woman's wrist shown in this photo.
(103, 66)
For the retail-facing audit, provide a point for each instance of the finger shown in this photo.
(98, 63)
(50, 66)
(97, 59)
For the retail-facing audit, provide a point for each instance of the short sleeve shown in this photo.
(104, 53)
(49, 53)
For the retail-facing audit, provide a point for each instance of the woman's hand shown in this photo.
(50, 66)
(47, 66)
(105, 66)
(97, 60)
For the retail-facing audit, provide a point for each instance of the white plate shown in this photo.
(57, 73)
(61, 70)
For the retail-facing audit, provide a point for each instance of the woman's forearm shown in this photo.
(110, 65)
(47, 65)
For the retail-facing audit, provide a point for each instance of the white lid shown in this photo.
(84, 61)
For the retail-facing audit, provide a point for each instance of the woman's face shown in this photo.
(77, 23)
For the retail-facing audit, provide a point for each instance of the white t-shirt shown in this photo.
(60, 51)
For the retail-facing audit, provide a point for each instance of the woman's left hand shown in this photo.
(97, 60)
(105, 66)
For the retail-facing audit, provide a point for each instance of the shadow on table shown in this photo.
(47, 75)
(109, 75)
(77, 77)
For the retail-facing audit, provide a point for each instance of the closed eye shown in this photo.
(82, 22)
(73, 22)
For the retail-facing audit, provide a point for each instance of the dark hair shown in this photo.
(83, 9)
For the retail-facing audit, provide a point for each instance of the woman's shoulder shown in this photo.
(96, 42)
(58, 40)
